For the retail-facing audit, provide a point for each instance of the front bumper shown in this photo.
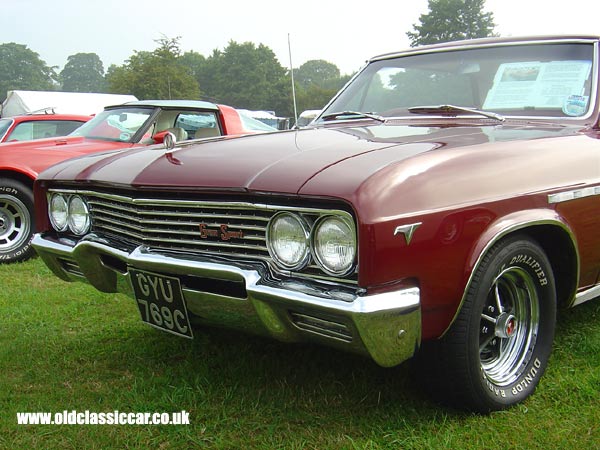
(242, 295)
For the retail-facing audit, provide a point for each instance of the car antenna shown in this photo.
(293, 86)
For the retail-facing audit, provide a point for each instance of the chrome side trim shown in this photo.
(574, 194)
(587, 295)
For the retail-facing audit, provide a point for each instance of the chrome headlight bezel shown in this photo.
(69, 213)
(78, 229)
(304, 241)
(316, 249)
(58, 200)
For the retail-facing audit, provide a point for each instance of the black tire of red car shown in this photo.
(498, 347)
(16, 221)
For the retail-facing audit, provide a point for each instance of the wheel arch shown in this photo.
(561, 249)
(24, 178)
(553, 235)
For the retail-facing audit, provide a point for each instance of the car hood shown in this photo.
(286, 162)
(32, 157)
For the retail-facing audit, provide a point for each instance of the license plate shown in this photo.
(160, 301)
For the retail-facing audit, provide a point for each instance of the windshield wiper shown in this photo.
(454, 110)
(352, 115)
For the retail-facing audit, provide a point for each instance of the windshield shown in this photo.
(521, 80)
(252, 124)
(119, 124)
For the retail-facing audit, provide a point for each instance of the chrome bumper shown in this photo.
(385, 326)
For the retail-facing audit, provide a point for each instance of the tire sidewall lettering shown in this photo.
(17, 254)
(9, 190)
(529, 262)
(524, 385)
(535, 263)
(14, 189)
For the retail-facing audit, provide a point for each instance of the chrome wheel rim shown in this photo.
(509, 326)
(14, 223)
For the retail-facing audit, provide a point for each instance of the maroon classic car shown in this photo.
(445, 202)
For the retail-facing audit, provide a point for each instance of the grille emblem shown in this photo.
(223, 233)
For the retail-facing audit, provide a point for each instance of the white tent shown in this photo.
(26, 102)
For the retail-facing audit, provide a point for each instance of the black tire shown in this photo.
(16, 221)
(498, 348)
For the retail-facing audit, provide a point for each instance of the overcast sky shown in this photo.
(345, 33)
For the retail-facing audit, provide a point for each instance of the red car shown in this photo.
(446, 202)
(38, 126)
(117, 127)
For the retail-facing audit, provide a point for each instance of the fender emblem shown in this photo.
(407, 231)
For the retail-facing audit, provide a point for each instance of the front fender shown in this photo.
(539, 224)
(19, 169)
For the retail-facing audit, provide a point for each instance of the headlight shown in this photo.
(58, 211)
(287, 240)
(334, 245)
(79, 216)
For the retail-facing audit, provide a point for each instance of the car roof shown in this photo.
(484, 42)
(168, 104)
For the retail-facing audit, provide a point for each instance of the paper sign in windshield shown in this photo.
(533, 85)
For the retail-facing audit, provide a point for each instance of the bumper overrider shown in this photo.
(242, 295)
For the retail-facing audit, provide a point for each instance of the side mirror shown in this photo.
(165, 137)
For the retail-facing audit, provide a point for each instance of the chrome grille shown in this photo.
(194, 226)
(183, 224)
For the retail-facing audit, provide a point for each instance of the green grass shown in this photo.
(65, 346)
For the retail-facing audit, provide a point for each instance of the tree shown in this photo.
(313, 97)
(195, 62)
(84, 72)
(317, 81)
(246, 76)
(316, 72)
(154, 75)
(243, 75)
(22, 68)
(200, 69)
(452, 20)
